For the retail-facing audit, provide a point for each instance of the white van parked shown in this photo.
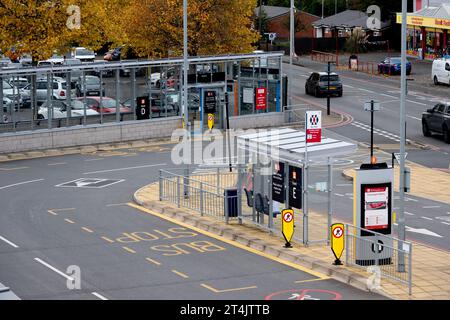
(440, 71)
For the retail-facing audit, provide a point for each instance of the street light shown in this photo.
(185, 66)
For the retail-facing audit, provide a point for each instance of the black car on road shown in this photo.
(437, 120)
(317, 84)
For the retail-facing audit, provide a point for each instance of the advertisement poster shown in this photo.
(261, 97)
(376, 207)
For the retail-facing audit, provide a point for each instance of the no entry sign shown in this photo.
(313, 126)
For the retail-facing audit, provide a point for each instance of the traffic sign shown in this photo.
(337, 241)
(287, 226)
(313, 126)
(142, 108)
(368, 106)
(210, 121)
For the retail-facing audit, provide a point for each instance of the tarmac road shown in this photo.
(51, 221)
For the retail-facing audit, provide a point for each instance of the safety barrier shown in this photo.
(324, 57)
(378, 253)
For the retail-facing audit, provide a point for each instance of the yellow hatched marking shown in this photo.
(226, 290)
(153, 261)
(180, 274)
(129, 250)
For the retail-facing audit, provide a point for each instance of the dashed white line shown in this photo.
(389, 96)
(415, 118)
(99, 296)
(53, 269)
(426, 218)
(127, 168)
(420, 103)
(365, 90)
(409, 213)
(20, 183)
(431, 207)
(339, 195)
(411, 199)
(12, 244)
(446, 223)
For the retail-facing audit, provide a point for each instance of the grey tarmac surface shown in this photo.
(124, 253)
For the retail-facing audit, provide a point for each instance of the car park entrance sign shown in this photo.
(313, 126)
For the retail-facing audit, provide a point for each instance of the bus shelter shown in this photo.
(279, 162)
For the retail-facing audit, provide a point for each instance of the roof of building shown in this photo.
(439, 12)
(347, 18)
(275, 11)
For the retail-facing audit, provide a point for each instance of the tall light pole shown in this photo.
(322, 8)
(401, 207)
(185, 66)
(291, 54)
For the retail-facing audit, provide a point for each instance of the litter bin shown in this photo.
(353, 62)
(231, 203)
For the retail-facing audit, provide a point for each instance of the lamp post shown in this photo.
(291, 53)
(185, 66)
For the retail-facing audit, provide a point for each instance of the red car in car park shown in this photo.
(108, 105)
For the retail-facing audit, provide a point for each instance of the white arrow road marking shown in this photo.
(423, 231)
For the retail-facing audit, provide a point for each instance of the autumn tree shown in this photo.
(155, 27)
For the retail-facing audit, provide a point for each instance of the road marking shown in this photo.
(431, 207)
(99, 296)
(12, 244)
(94, 159)
(116, 204)
(87, 229)
(446, 223)
(339, 195)
(54, 269)
(309, 280)
(69, 221)
(411, 199)
(409, 213)
(365, 90)
(344, 185)
(53, 211)
(56, 163)
(415, 118)
(230, 242)
(426, 218)
(423, 231)
(181, 274)
(20, 183)
(107, 239)
(13, 169)
(226, 290)
(419, 103)
(128, 168)
(153, 261)
(129, 250)
(389, 96)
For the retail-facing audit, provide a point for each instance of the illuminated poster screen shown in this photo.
(376, 207)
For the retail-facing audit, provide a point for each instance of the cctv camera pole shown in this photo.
(185, 91)
(401, 209)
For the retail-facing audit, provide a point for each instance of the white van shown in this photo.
(440, 71)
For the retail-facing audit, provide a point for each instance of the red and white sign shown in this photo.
(313, 126)
(338, 232)
(376, 208)
(261, 95)
(287, 217)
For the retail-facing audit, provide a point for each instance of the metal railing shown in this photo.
(391, 257)
(324, 57)
(202, 192)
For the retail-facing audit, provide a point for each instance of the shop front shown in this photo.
(428, 36)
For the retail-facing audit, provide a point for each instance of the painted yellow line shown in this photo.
(153, 261)
(180, 274)
(129, 250)
(230, 242)
(13, 169)
(87, 229)
(54, 211)
(226, 290)
(116, 204)
(107, 239)
(309, 280)
(69, 221)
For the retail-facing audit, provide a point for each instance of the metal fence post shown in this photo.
(218, 180)
(330, 198)
(160, 185)
(178, 192)
(225, 198)
(410, 270)
(201, 199)
(346, 243)
(239, 191)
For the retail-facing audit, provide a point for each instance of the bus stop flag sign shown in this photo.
(313, 126)
(287, 226)
(337, 241)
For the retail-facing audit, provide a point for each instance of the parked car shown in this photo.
(317, 84)
(83, 54)
(393, 66)
(7, 105)
(19, 83)
(12, 93)
(437, 120)
(103, 71)
(108, 105)
(92, 86)
(60, 107)
(440, 71)
(59, 89)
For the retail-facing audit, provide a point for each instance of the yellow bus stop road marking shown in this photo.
(129, 250)
(69, 221)
(54, 211)
(153, 261)
(181, 274)
(12, 169)
(230, 242)
(309, 280)
(107, 239)
(226, 290)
